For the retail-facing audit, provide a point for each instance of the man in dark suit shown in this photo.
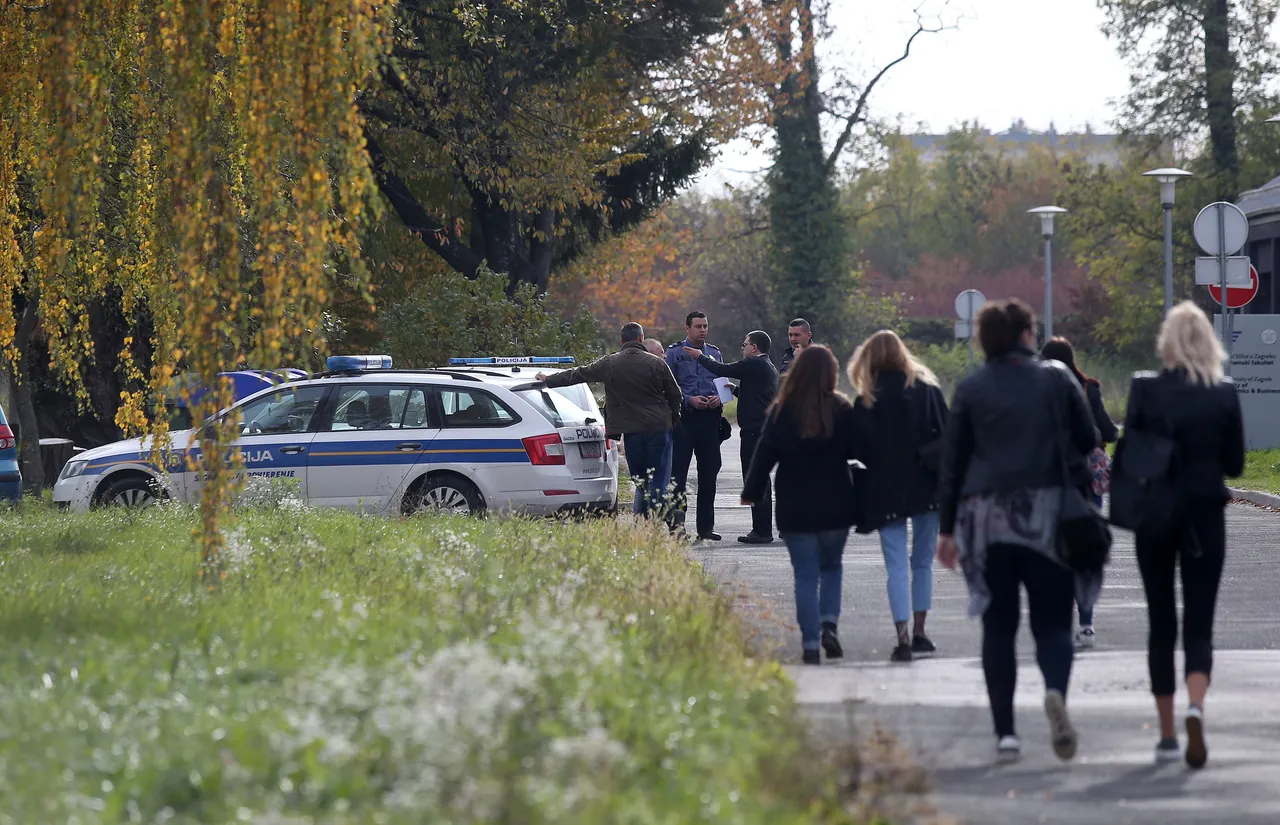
(758, 384)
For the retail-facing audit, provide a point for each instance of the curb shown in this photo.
(1255, 497)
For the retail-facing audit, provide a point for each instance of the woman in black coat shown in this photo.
(1192, 408)
(901, 414)
(1060, 349)
(809, 435)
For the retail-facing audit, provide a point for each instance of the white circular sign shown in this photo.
(968, 303)
(1268, 336)
(1234, 224)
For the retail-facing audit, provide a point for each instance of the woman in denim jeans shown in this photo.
(810, 436)
(901, 414)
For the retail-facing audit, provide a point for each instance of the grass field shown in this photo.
(1261, 472)
(364, 670)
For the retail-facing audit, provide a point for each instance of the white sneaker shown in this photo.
(1167, 750)
(1008, 749)
(1086, 638)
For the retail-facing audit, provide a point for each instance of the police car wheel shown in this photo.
(132, 492)
(449, 495)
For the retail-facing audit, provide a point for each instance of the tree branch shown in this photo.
(416, 218)
(858, 115)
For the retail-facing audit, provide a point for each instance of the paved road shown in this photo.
(938, 706)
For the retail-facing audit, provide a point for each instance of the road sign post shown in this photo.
(1221, 229)
(967, 305)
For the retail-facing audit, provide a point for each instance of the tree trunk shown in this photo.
(28, 433)
(1220, 103)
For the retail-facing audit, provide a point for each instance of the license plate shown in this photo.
(591, 449)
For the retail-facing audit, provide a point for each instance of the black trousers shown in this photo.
(1050, 594)
(698, 435)
(1198, 545)
(762, 510)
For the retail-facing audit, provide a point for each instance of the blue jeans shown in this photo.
(649, 462)
(819, 572)
(918, 594)
(1085, 600)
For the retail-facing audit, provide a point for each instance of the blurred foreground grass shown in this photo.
(356, 670)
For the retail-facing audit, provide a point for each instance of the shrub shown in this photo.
(448, 315)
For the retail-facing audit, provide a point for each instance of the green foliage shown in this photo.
(1261, 472)
(447, 315)
(357, 670)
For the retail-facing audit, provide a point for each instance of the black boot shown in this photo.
(831, 641)
(812, 657)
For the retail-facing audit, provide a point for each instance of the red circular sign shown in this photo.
(1238, 296)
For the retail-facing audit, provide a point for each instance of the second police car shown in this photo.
(369, 438)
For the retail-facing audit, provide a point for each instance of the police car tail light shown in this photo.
(545, 450)
(7, 441)
(351, 363)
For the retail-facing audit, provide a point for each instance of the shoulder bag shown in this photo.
(1084, 539)
(1144, 495)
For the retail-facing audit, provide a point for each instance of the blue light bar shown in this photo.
(512, 359)
(353, 363)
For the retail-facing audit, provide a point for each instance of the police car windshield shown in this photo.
(556, 408)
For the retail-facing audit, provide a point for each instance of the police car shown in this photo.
(500, 369)
(369, 438)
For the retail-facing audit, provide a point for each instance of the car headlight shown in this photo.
(72, 469)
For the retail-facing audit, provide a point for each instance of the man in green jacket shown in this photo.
(642, 403)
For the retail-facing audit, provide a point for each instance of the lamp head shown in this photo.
(1046, 215)
(1167, 177)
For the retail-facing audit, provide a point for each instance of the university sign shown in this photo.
(1255, 368)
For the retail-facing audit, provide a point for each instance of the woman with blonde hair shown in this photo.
(1187, 416)
(901, 414)
(809, 434)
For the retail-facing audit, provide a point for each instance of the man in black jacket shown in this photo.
(800, 337)
(758, 384)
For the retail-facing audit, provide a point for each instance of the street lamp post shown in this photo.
(1168, 178)
(1046, 215)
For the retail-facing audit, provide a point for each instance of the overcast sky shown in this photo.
(1045, 61)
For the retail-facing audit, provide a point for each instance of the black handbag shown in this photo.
(1084, 540)
(725, 429)
(929, 453)
(1144, 495)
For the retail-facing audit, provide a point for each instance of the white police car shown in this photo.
(369, 438)
(500, 369)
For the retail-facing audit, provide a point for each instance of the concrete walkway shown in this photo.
(937, 708)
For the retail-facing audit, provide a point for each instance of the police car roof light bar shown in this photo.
(354, 363)
(502, 360)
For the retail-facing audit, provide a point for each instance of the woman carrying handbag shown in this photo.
(1017, 430)
(1183, 434)
(901, 414)
(1060, 349)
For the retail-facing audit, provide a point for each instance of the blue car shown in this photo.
(10, 475)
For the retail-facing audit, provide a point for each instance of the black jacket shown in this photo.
(1101, 418)
(1204, 422)
(758, 385)
(813, 488)
(895, 484)
(1002, 434)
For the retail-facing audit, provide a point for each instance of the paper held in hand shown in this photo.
(723, 387)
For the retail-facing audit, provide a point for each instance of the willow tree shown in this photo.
(203, 160)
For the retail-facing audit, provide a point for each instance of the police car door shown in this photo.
(363, 451)
(275, 435)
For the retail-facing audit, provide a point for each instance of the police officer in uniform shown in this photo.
(698, 433)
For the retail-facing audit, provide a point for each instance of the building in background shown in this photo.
(1015, 142)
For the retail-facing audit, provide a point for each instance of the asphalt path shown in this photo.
(937, 707)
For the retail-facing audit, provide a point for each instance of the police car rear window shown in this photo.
(556, 408)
